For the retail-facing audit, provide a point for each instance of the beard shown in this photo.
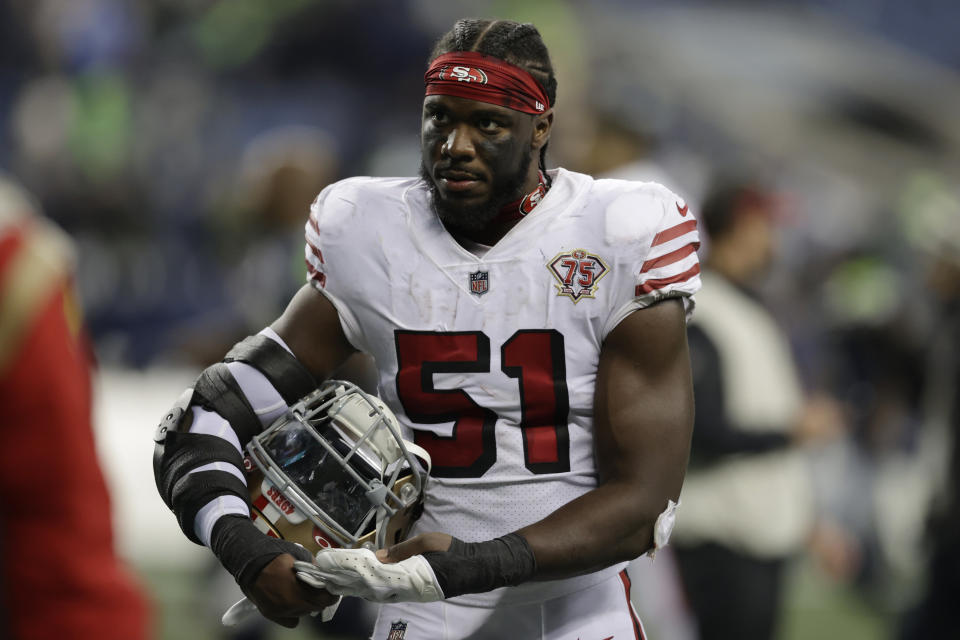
(458, 217)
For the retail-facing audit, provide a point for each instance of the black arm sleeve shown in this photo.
(244, 551)
(713, 435)
(478, 567)
(179, 454)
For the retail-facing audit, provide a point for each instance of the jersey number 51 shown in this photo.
(534, 357)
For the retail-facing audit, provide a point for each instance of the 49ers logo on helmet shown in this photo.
(463, 74)
(322, 540)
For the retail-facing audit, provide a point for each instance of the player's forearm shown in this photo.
(599, 529)
(613, 523)
(643, 416)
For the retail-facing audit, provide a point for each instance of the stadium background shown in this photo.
(180, 141)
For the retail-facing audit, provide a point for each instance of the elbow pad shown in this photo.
(288, 376)
(179, 454)
(217, 390)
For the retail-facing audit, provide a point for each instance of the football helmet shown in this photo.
(335, 471)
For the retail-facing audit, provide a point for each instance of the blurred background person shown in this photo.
(59, 574)
(748, 503)
(932, 218)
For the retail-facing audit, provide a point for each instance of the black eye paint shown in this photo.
(500, 160)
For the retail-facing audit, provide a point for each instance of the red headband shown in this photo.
(472, 75)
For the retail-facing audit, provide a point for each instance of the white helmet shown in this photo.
(336, 472)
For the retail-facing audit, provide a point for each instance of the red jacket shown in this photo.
(59, 575)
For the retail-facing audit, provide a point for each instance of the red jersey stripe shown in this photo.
(319, 276)
(315, 251)
(670, 258)
(653, 285)
(313, 224)
(637, 627)
(674, 232)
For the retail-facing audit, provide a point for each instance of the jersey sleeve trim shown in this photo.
(312, 221)
(314, 260)
(674, 232)
(642, 303)
(315, 250)
(670, 268)
(670, 258)
(651, 286)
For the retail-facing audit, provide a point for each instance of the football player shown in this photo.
(528, 327)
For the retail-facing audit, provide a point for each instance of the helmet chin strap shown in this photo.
(420, 452)
(381, 514)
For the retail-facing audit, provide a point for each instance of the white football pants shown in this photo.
(600, 612)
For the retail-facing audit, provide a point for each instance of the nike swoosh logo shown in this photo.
(683, 212)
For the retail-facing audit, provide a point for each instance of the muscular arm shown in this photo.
(643, 420)
(311, 328)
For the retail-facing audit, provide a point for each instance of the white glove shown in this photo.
(358, 572)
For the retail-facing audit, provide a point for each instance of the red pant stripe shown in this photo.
(637, 627)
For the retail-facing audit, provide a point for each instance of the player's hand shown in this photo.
(281, 597)
(358, 572)
(416, 545)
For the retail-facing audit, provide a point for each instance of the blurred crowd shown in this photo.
(180, 142)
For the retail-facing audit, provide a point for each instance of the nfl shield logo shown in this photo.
(398, 629)
(480, 282)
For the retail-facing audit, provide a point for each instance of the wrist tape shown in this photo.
(477, 567)
(244, 550)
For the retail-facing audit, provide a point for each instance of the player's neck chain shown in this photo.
(517, 209)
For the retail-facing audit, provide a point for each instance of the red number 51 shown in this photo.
(534, 357)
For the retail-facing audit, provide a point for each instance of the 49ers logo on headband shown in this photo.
(464, 74)
(475, 76)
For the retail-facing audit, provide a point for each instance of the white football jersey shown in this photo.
(489, 362)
